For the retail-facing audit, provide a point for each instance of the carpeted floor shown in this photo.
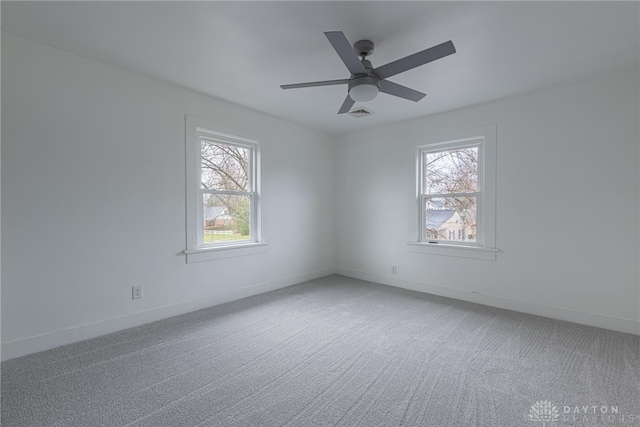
(334, 351)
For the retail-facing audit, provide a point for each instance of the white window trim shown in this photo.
(196, 250)
(485, 246)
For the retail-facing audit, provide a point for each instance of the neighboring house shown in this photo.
(216, 217)
(470, 224)
(444, 224)
(448, 224)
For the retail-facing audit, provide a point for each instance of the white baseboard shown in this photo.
(34, 344)
(555, 312)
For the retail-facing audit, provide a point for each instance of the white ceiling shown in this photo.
(242, 51)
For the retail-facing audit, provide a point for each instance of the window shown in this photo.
(450, 191)
(226, 188)
(223, 198)
(456, 193)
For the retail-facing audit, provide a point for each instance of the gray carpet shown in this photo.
(333, 351)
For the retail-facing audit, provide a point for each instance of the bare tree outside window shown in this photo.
(224, 167)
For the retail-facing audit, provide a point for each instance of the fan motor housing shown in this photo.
(364, 80)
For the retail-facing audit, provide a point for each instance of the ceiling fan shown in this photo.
(365, 81)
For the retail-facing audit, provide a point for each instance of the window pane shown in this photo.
(226, 218)
(451, 218)
(224, 167)
(451, 171)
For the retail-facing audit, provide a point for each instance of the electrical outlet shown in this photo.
(136, 292)
(394, 269)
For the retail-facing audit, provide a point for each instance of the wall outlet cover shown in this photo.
(136, 292)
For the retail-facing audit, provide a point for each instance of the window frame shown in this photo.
(483, 137)
(231, 141)
(196, 249)
(423, 196)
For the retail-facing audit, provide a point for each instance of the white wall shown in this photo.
(93, 200)
(567, 205)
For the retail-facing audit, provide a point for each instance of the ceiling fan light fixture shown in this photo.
(363, 89)
(366, 81)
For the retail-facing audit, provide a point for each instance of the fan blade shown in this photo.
(342, 46)
(346, 105)
(415, 60)
(401, 91)
(314, 84)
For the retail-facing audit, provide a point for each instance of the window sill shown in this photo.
(220, 252)
(474, 252)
